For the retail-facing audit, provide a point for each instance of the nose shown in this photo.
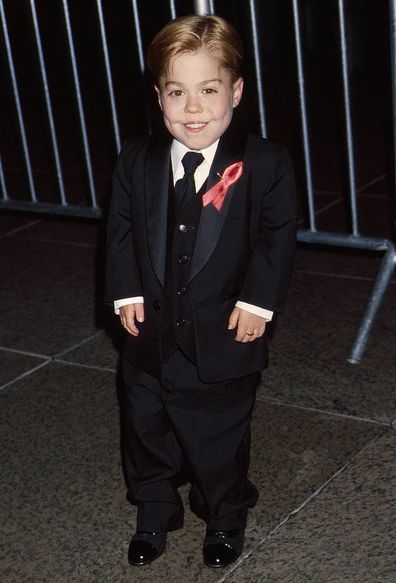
(193, 104)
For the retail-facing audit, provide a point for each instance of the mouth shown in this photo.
(195, 126)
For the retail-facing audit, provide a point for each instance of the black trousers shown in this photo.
(177, 423)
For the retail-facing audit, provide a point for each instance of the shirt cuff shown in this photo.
(125, 301)
(262, 312)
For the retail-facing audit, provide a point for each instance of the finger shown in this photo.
(139, 312)
(233, 321)
(130, 325)
(128, 320)
(130, 328)
(261, 331)
(252, 336)
(241, 334)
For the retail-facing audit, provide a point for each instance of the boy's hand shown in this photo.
(249, 326)
(129, 315)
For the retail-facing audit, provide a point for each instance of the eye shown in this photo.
(176, 93)
(209, 91)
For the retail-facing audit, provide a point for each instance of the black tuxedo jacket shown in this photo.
(244, 252)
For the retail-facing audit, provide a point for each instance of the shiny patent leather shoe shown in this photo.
(222, 547)
(145, 547)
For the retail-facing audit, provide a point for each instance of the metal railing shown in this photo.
(353, 239)
(63, 201)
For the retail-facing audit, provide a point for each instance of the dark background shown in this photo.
(369, 66)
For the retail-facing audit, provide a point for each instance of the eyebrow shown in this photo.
(202, 83)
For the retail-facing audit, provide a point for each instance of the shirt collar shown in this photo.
(178, 150)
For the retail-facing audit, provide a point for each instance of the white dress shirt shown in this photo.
(202, 172)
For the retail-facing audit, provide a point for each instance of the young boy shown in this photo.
(201, 235)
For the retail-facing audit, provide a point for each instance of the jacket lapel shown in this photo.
(156, 201)
(231, 149)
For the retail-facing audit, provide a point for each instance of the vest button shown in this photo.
(156, 305)
(183, 258)
(182, 291)
(181, 323)
(185, 228)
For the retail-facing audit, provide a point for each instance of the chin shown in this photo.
(198, 142)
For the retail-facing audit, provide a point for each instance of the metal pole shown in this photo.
(392, 18)
(18, 106)
(304, 122)
(342, 240)
(172, 7)
(67, 210)
(80, 104)
(203, 7)
(348, 120)
(377, 294)
(139, 43)
(48, 103)
(109, 76)
(3, 183)
(138, 35)
(257, 63)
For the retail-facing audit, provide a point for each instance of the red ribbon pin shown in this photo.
(218, 192)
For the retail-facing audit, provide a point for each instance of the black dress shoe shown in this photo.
(222, 547)
(145, 547)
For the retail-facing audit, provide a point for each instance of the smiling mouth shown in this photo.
(195, 125)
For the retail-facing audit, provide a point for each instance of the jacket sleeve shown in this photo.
(122, 270)
(273, 235)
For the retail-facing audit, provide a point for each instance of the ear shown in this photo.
(237, 89)
(158, 92)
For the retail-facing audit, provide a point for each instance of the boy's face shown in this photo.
(197, 99)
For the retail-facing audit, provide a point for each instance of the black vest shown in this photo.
(177, 324)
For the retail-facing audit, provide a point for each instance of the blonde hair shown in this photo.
(188, 34)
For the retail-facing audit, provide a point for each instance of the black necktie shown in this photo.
(185, 187)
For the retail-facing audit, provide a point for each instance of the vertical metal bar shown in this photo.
(139, 43)
(3, 183)
(109, 76)
(172, 7)
(392, 13)
(80, 106)
(257, 63)
(47, 96)
(381, 284)
(138, 35)
(18, 106)
(304, 119)
(348, 120)
(202, 7)
(211, 7)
